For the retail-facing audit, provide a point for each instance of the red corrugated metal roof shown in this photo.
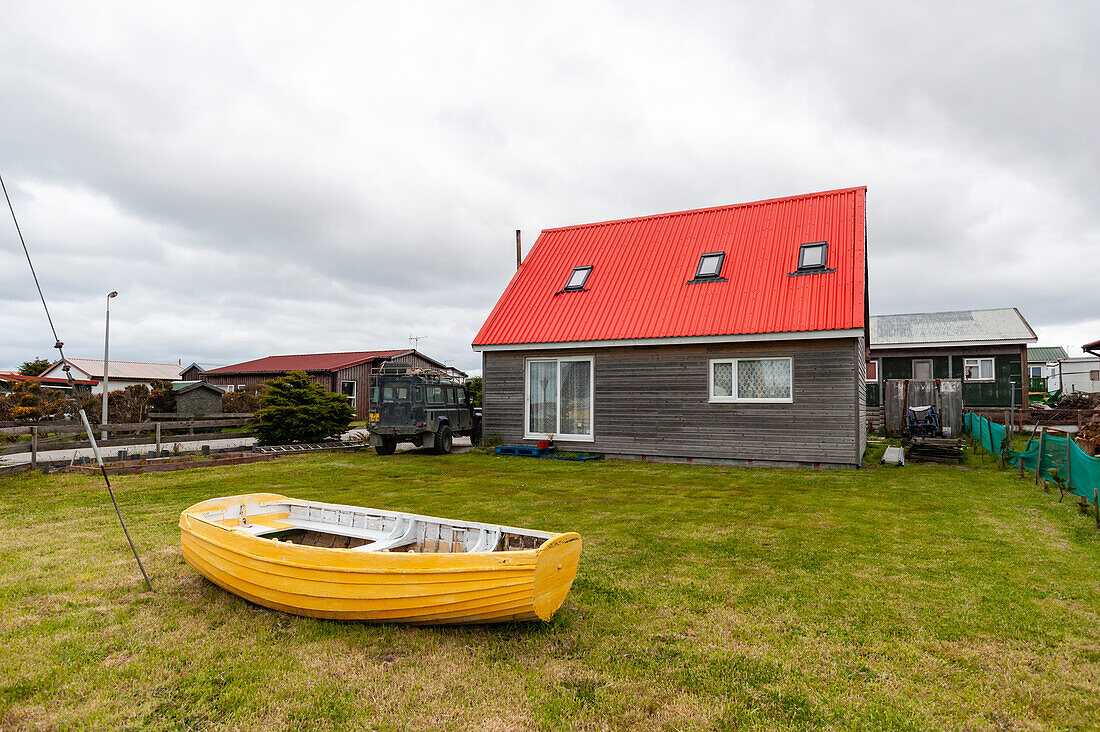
(306, 362)
(14, 376)
(638, 285)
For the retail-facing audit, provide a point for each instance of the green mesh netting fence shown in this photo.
(1080, 471)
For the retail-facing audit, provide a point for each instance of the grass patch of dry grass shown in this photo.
(708, 598)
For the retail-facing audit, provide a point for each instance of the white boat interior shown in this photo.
(335, 526)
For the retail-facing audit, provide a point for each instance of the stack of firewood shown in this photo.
(1088, 439)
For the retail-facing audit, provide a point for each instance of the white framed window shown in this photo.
(1035, 372)
(241, 387)
(871, 376)
(347, 388)
(760, 380)
(229, 388)
(978, 369)
(559, 398)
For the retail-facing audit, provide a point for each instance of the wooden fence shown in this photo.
(71, 436)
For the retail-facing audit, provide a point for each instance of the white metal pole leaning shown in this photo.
(106, 345)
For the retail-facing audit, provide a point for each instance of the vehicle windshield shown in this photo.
(397, 394)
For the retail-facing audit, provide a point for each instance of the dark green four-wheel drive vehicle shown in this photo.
(422, 406)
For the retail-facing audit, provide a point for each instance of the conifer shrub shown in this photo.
(294, 409)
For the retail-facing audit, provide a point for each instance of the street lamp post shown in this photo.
(106, 344)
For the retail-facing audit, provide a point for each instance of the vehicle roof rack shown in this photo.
(399, 368)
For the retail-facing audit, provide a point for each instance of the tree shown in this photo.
(294, 409)
(473, 388)
(161, 396)
(34, 367)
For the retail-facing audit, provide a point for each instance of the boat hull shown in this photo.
(342, 584)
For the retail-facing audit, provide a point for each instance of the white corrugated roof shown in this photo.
(998, 325)
(136, 370)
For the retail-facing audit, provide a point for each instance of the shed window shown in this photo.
(813, 255)
(577, 279)
(347, 388)
(872, 372)
(710, 266)
(978, 369)
(559, 398)
(1094, 375)
(1035, 372)
(750, 380)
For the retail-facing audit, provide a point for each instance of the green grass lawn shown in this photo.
(707, 598)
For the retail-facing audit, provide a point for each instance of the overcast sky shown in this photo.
(271, 178)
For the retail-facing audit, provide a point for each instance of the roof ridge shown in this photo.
(724, 207)
(119, 360)
(329, 353)
(943, 312)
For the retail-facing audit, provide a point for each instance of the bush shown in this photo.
(161, 396)
(242, 400)
(294, 409)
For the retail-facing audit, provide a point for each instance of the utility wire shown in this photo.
(31, 265)
(68, 375)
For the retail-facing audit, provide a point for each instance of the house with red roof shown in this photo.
(347, 373)
(735, 334)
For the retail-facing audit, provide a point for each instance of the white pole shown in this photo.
(106, 344)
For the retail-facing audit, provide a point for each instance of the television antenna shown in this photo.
(415, 340)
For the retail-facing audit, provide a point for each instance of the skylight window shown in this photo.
(577, 279)
(813, 255)
(710, 266)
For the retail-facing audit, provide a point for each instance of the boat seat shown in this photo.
(407, 531)
(327, 528)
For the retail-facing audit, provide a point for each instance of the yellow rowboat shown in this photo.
(348, 563)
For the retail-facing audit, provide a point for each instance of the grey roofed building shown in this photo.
(958, 327)
(987, 349)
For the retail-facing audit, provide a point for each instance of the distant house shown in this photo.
(1076, 374)
(987, 349)
(197, 397)
(122, 373)
(733, 334)
(340, 373)
(1042, 362)
(9, 378)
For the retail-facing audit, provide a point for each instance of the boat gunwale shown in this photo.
(510, 560)
(276, 498)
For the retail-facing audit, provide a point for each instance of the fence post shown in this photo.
(34, 448)
(1069, 443)
(1039, 462)
(158, 438)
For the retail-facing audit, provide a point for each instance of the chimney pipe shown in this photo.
(519, 255)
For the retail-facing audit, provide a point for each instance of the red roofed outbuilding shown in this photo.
(733, 333)
(345, 373)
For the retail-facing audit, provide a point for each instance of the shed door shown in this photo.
(922, 369)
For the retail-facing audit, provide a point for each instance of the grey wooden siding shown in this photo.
(653, 402)
(861, 395)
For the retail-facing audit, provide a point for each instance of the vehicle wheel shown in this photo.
(443, 440)
(389, 444)
(475, 434)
